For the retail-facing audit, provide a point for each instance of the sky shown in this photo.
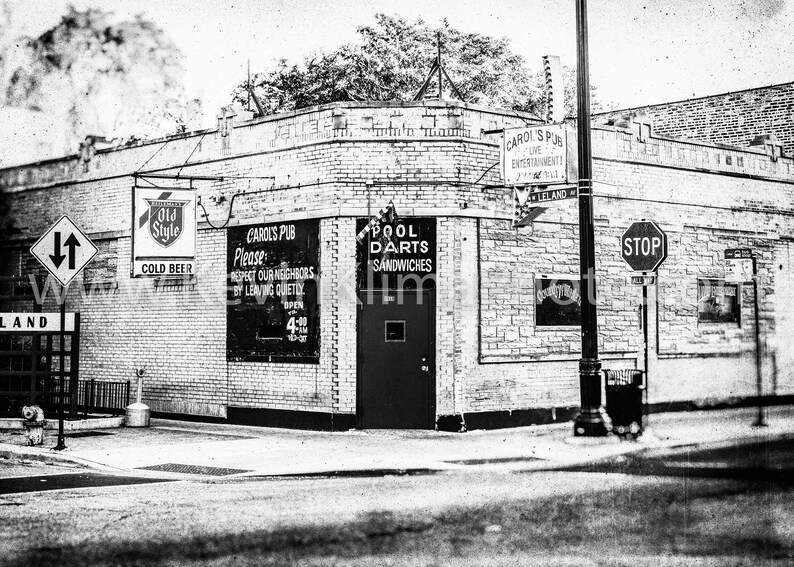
(640, 52)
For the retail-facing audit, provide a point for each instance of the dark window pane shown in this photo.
(557, 302)
(395, 331)
(718, 302)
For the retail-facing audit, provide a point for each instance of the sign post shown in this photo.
(64, 250)
(741, 266)
(643, 247)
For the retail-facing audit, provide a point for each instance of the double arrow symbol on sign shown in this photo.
(71, 243)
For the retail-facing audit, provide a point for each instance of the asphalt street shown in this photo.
(654, 508)
(772, 460)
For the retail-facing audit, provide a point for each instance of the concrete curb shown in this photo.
(11, 452)
(555, 451)
(17, 423)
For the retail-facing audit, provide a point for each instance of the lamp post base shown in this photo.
(592, 422)
(760, 419)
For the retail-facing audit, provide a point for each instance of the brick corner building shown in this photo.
(443, 314)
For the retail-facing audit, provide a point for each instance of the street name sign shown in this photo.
(738, 265)
(643, 246)
(64, 250)
(536, 155)
(642, 279)
(546, 195)
(35, 322)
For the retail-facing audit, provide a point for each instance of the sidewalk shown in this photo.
(175, 446)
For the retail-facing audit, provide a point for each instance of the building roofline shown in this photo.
(692, 99)
(393, 104)
(291, 114)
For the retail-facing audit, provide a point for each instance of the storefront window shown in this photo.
(273, 310)
(557, 301)
(717, 301)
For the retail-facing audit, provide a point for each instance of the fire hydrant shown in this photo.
(34, 424)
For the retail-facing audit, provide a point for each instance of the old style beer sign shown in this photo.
(165, 220)
(163, 232)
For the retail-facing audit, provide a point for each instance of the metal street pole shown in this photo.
(760, 420)
(62, 347)
(592, 420)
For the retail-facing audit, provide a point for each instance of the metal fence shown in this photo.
(97, 396)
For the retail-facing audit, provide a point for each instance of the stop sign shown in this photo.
(643, 246)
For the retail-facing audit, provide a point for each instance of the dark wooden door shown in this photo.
(395, 371)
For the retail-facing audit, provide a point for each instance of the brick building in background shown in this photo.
(332, 347)
(735, 118)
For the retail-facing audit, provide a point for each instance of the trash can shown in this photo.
(624, 390)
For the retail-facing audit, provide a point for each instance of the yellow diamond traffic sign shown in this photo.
(64, 250)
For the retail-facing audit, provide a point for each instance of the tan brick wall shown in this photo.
(339, 163)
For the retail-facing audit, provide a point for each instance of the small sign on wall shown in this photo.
(557, 301)
(163, 232)
(739, 265)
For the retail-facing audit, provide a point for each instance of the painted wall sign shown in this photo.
(35, 322)
(273, 310)
(401, 255)
(163, 232)
(536, 155)
(557, 301)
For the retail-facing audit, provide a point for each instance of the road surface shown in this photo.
(719, 506)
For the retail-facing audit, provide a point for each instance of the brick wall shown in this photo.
(341, 162)
(731, 118)
(332, 163)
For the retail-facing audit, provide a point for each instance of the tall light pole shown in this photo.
(592, 420)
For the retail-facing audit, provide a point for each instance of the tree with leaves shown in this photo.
(113, 79)
(391, 61)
